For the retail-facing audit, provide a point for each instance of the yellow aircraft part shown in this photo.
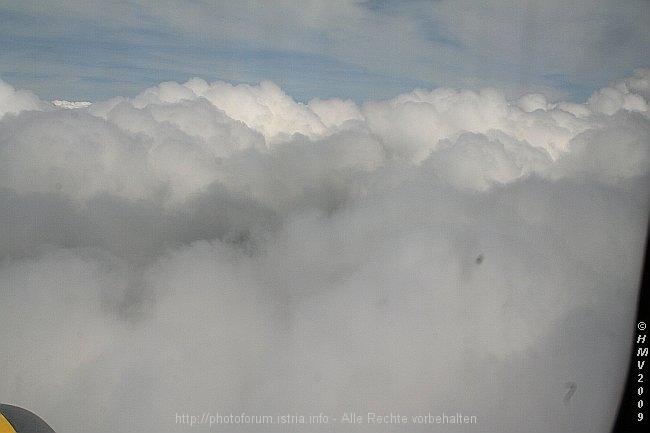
(5, 427)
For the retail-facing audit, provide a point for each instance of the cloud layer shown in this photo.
(206, 247)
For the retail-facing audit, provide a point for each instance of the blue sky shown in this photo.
(372, 49)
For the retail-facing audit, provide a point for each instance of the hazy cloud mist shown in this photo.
(359, 49)
(205, 247)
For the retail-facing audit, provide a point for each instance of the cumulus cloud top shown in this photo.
(71, 105)
(217, 247)
(14, 101)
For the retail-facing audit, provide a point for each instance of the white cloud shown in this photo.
(14, 101)
(70, 105)
(209, 247)
(629, 95)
